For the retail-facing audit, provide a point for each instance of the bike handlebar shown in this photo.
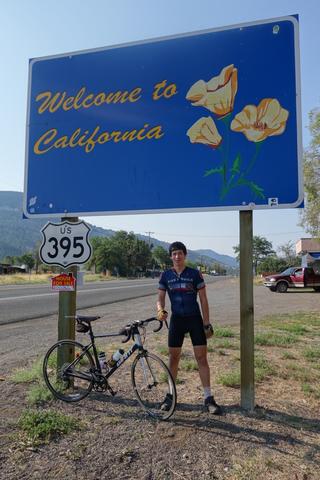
(127, 330)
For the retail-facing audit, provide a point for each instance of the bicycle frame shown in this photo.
(136, 346)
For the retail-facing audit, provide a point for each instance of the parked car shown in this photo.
(293, 277)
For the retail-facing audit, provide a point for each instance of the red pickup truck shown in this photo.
(293, 277)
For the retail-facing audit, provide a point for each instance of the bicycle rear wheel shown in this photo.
(152, 382)
(67, 371)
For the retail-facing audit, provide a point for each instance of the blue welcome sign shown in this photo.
(202, 121)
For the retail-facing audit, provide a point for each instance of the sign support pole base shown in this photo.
(246, 311)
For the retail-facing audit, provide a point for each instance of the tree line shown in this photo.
(123, 254)
(266, 260)
(310, 214)
(126, 255)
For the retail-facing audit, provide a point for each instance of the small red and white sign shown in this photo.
(63, 282)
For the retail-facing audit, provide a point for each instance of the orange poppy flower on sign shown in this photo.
(205, 131)
(218, 94)
(258, 123)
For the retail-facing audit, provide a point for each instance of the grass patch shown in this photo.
(163, 377)
(19, 279)
(188, 365)
(311, 319)
(39, 394)
(38, 278)
(225, 343)
(311, 390)
(179, 381)
(263, 368)
(163, 350)
(252, 468)
(294, 328)
(301, 373)
(222, 332)
(42, 426)
(288, 356)
(311, 353)
(28, 374)
(231, 379)
(274, 340)
(97, 277)
(306, 388)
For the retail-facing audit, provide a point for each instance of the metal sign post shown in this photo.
(246, 312)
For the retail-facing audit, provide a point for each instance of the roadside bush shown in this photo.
(42, 426)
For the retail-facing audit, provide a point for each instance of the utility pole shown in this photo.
(149, 243)
(149, 233)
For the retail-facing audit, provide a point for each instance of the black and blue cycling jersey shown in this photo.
(182, 290)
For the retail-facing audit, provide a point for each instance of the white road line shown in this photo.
(79, 291)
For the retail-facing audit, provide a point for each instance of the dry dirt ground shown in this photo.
(116, 440)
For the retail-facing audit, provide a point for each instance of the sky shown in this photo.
(39, 28)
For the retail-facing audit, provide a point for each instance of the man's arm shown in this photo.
(204, 305)
(162, 314)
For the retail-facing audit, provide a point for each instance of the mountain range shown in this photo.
(19, 235)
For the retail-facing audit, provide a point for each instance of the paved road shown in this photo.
(24, 302)
(30, 301)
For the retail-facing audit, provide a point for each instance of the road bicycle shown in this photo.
(71, 370)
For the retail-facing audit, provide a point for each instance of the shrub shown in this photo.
(41, 426)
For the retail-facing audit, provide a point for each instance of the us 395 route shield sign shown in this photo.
(65, 244)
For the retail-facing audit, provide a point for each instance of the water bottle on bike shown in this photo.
(115, 357)
(103, 361)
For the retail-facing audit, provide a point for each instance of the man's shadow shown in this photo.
(221, 426)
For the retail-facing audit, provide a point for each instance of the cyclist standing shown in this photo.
(183, 284)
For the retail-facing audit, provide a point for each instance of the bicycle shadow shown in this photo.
(119, 400)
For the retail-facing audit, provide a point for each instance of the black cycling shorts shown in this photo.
(179, 326)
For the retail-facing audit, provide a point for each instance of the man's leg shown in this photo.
(174, 358)
(175, 342)
(200, 353)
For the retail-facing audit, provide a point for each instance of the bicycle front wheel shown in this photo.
(67, 371)
(153, 384)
